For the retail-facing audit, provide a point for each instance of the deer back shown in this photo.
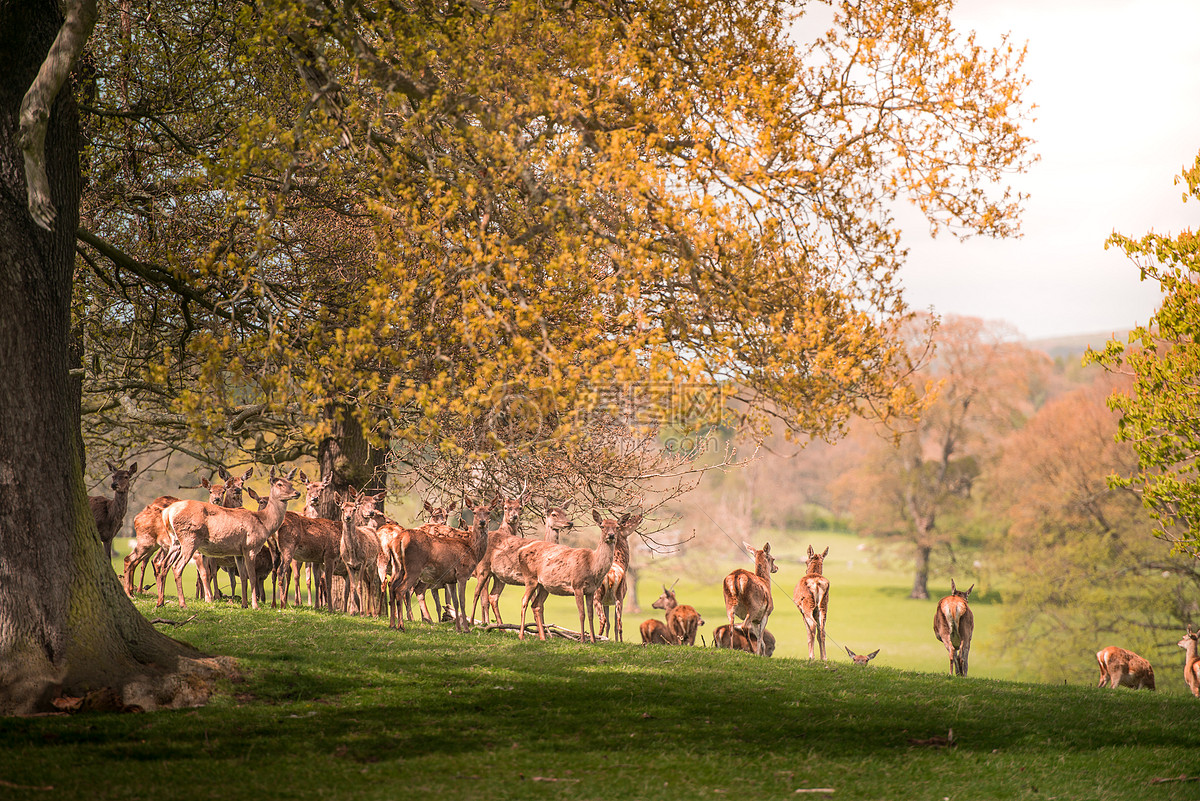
(1134, 670)
(655, 632)
(953, 617)
(748, 594)
(307, 539)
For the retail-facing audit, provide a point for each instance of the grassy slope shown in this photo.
(343, 708)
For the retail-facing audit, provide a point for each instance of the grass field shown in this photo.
(338, 707)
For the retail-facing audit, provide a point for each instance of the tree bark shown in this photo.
(920, 590)
(66, 627)
(347, 459)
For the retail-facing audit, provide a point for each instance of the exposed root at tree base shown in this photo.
(191, 685)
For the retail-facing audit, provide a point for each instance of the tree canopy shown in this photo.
(1160, 413)
(470, 226)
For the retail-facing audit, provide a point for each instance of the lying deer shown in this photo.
(218, 531)
(748, 595)
(110, 512)
(1191, 663)
(737, 639)
(1121, 668)
(655, 632)
(561, 570)
(953, 624)
(859, 659)
(812, 596)
(682, 620)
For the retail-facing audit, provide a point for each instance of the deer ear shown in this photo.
(303, 477)
(750, 549)
(767, 548)
(826, 552)
(635, 521)
(223, 473)
(133, 468)
(428, 507)
(848, 651)
(249, 472)
(596, 516)
(811, 552)
(450, 508)
(968, 592)
(953, 589)
(872, 654)
(204, 482)
(112, 468)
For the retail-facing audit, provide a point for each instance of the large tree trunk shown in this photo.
(347, 459)
(66, 627)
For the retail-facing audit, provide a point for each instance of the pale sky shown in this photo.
(1117, 85)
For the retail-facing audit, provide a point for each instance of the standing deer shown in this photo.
(362, 554)
(859, 659)
(737, 639)
(499, 566)
(655, 632)
(437, 560)
(555, 569)
(154, 538)
(110, 513)
(748, 595)
(1121, 668)
(682, 621)
(1191, 663)
(812, 596)
(217, 531)
(615, 586)
(311, 541)
(953, 624)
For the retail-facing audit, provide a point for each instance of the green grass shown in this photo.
(337, 707)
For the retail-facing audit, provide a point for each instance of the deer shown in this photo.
(360, 550)
(218, 531)
(438, 525)
(499, 566)
(152, 535)
(655, 632)
(748, 595)
(110, 512)
(682, 620)
(953, 624)
(438, 560)
(812, 597)
(860, 659)
(1191, 663)
(1122, 668)
(228, 495)
(615, 586)
(556, 569)
(738, 639)
(310, 540)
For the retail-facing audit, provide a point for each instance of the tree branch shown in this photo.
(35, 107)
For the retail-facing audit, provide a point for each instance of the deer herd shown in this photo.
(383, 562)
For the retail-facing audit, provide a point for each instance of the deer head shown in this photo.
(861, 660)
(816, 561)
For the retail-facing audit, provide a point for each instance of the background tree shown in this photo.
(1160, 413)
(422, 208)
(915, 486)
(1082, 569)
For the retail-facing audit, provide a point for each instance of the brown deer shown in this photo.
(312, 541)
(655, 632)
(615, 586)
(110, 512)
(812, 596)
(499, 566)
(556, 569)
(1121, 668)
(748, 595)
(361, 552)
(953, 624)
(436, 561)
(218, 531)
(860, 659)
(153, 537)
(737, 639)
(682, 620)
(1191, 663)
(266, 562)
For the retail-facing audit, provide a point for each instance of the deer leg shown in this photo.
(480, 588)
(525, 600)
(187, 550)
(494, 599)
(619, 609)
